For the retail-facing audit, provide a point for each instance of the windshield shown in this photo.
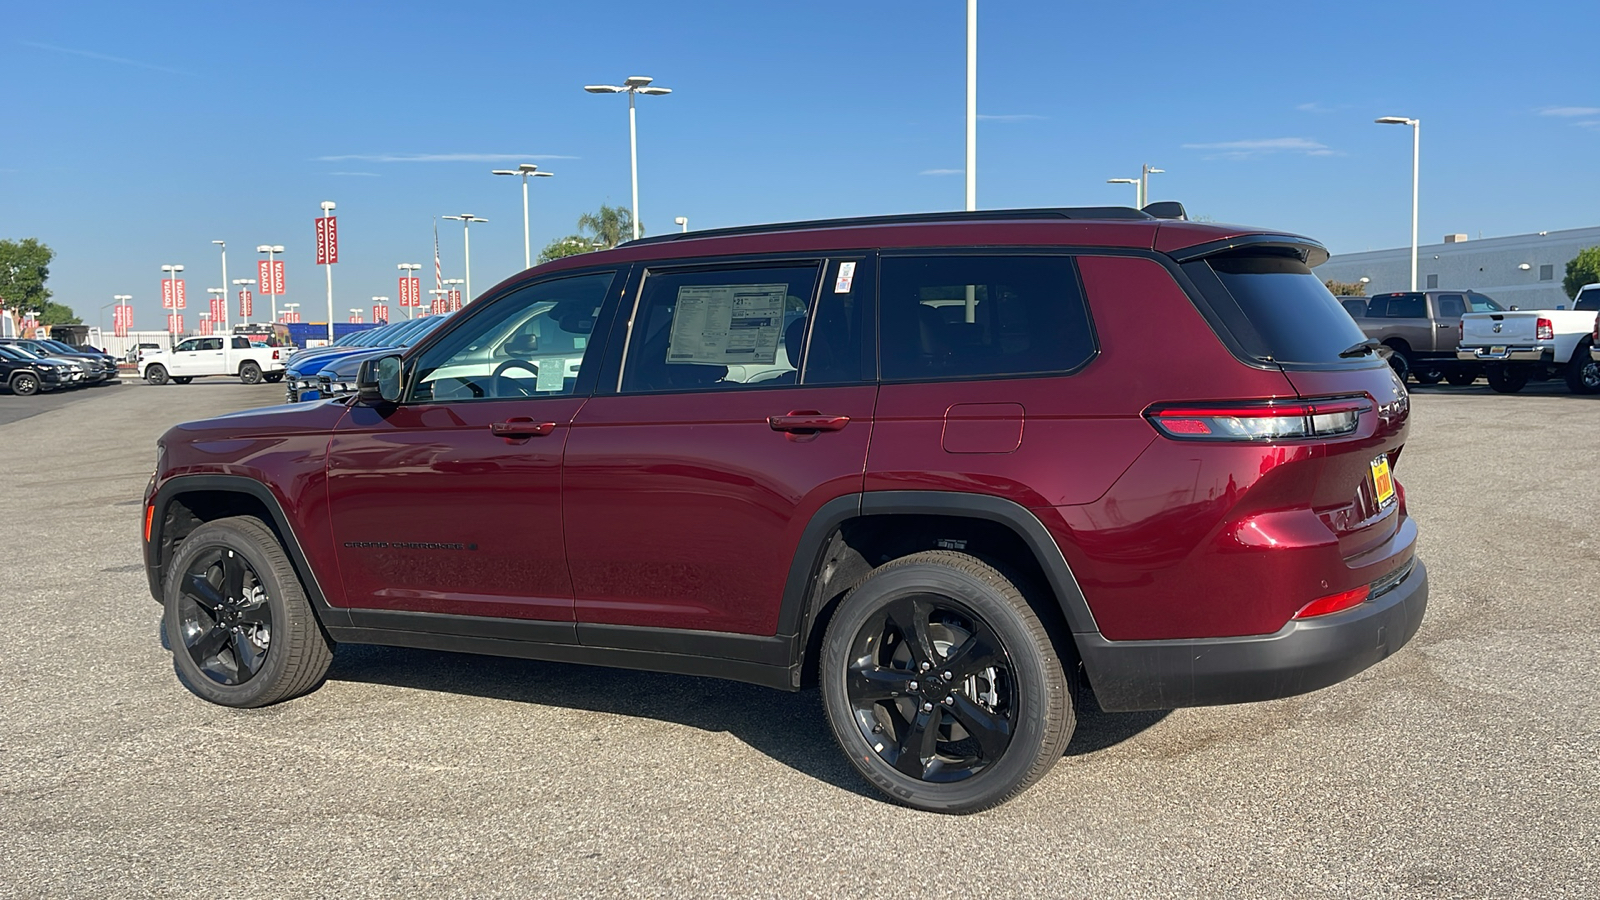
(1588, 300)
(57, 345)
(1282, 312)
(1480, 303)
(21, 352)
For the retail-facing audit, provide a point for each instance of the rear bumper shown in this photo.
(1303, 656)
(1510, 354)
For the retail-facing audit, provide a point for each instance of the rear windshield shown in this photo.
(1588, 300)
(1280, 311)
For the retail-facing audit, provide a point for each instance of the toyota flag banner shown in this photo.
(121, 319)
(270, 276)
(219, 309)
(246, 306)
(380, 312)
(175, 323)
(410, 289)
(327, 241)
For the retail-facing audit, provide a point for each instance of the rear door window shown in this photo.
(1408, 306)
(1278, 311)
(1588, 301)
(949, 317)
(1449, 306)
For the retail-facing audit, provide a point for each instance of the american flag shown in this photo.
(438, 273)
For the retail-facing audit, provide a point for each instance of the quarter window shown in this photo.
(981, 316)
(529, 343)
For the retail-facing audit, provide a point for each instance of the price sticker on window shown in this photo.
(847, 274)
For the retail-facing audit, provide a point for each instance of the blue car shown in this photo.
(324, 375)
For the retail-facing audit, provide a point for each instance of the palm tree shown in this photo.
(610, 226)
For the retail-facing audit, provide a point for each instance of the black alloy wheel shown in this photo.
(943, 685)
(1401, 365)
(1583, 373)
(1506, 379)
(156, 374)
(932, 689)
(224, 619)
(250, 373)
(24, 384)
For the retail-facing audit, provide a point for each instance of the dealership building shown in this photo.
(1523, 270)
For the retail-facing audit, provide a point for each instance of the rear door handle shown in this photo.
(806, 421)
(521, 427)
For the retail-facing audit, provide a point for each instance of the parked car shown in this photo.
(1422, 328)
(969, 487)
(25, 374)
(138, 350)
(1588, 298)
(108, 362)
(202, 356)
(337, 376)
(97, 368)
(301, 382)
(1517, 346)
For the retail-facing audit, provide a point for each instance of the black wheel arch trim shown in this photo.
(332, 617)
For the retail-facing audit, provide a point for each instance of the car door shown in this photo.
(184, 360)
(1447, 312)
(742, 405)
(450, 501)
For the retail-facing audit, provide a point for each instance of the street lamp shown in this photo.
(439, 304)
(1137, 190)
(682, 222)
(466, 220)
(972, 105)
(172, 274)
(224, 246)
(327, 211)
(636, 84)
(1144, 184)
(449, 307)
(289, 309)
(1416, 149)
(240, 282)
(526, 170)
(272, 297)
(355, 315)
(407, 269)
(376, 301)
(115, 300)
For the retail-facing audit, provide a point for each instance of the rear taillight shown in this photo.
(1596, 335)
(1261, 420)
(1544, 330)
(1334, 602)
(1461, 331)
(274, 354)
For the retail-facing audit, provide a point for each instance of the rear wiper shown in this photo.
(1370, 345)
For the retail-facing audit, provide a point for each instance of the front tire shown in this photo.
(1583, 373)
(250, 373)
(1427, 376)
(242, 631)
(273, 377)
(943, 686)
(182, 379)
(156, 374)
(1505, 380)
(1461, 379)
(1401, 363)
(24, 384)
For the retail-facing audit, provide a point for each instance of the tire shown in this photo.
(156, 373)
(1583, 373)
(883, 674)
(273, 377)
(1461, 379)
(182, 379)
(24, 384)
(249, 372)
(1506, 380)
(260, 647)
(1401, 363)
(1427, 376)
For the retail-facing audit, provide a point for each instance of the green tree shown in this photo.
(1346, 288)
(610, 226)
(571, 245)
(1581, 270)
(24, 268)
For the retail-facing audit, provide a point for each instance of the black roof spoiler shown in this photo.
(979, 215)
(1167, 209)
(1304, 249)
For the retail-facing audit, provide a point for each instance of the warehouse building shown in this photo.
(1523, 270)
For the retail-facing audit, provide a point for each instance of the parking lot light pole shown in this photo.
(1144, 184)
(972, 105)
(526, 170)
(682, 222)
(172, 273)
(270, 250)
(406, 269)
(636, 84)
(289, 308)
(224, 246)
(328, 207)
(241, 282)
(466, 220)
(448, 283)
(1138, 191)
(1416, 149)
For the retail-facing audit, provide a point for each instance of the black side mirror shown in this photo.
(378, 382)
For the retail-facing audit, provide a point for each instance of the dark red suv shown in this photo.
(947, 466)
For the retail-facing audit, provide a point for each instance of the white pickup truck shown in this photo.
(201, 356)
(1517, 346)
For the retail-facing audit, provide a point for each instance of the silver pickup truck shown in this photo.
(1422, 328)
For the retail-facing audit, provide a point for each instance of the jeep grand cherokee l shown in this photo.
(944, 466)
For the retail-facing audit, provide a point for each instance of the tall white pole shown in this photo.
(972, 104)
(225, 328)
(273, 276)
(1416, 150)
(633, 159)
(466, 241)
(527, 248)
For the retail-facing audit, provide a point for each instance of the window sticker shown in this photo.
(552, 375)
(847, 274)
(732, 324)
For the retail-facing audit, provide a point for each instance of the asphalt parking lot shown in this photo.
(1467, 765)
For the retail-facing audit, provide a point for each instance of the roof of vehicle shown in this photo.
(1112, 227)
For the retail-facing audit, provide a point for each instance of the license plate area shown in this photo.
(1382, 481)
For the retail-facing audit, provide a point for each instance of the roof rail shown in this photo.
(980, 215)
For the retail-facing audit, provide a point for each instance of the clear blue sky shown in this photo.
(135, 134)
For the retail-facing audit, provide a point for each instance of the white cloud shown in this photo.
(942, 172)
(1313, 107)
(1259, 148)
(1015, 117)
(1570, 112)
(439, 157)
(362, 174)
(89, 54)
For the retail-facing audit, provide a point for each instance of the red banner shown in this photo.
(175, 322)
(270, 276)
(177, 292)
(440, 301)
(121, 319)
(455, 301)
(292, 317)
(219, 309)
(380, 312)
(246, 304)
(205, 326)
(410, 292)
(166, 293)
(327, 241)
(355, 318)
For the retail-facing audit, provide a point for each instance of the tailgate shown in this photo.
(1481, 329)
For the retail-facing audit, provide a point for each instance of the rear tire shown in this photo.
(1506, 380)
(182, 379)
(942, 685)
(1461, 379)
(250, 373)
(1427, 376)
(24, 384)
(1401, 363)
(1583, 373)
(242, 632)
(156, 374)
(272, 378)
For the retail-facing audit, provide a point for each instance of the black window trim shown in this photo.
(1073, 254)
